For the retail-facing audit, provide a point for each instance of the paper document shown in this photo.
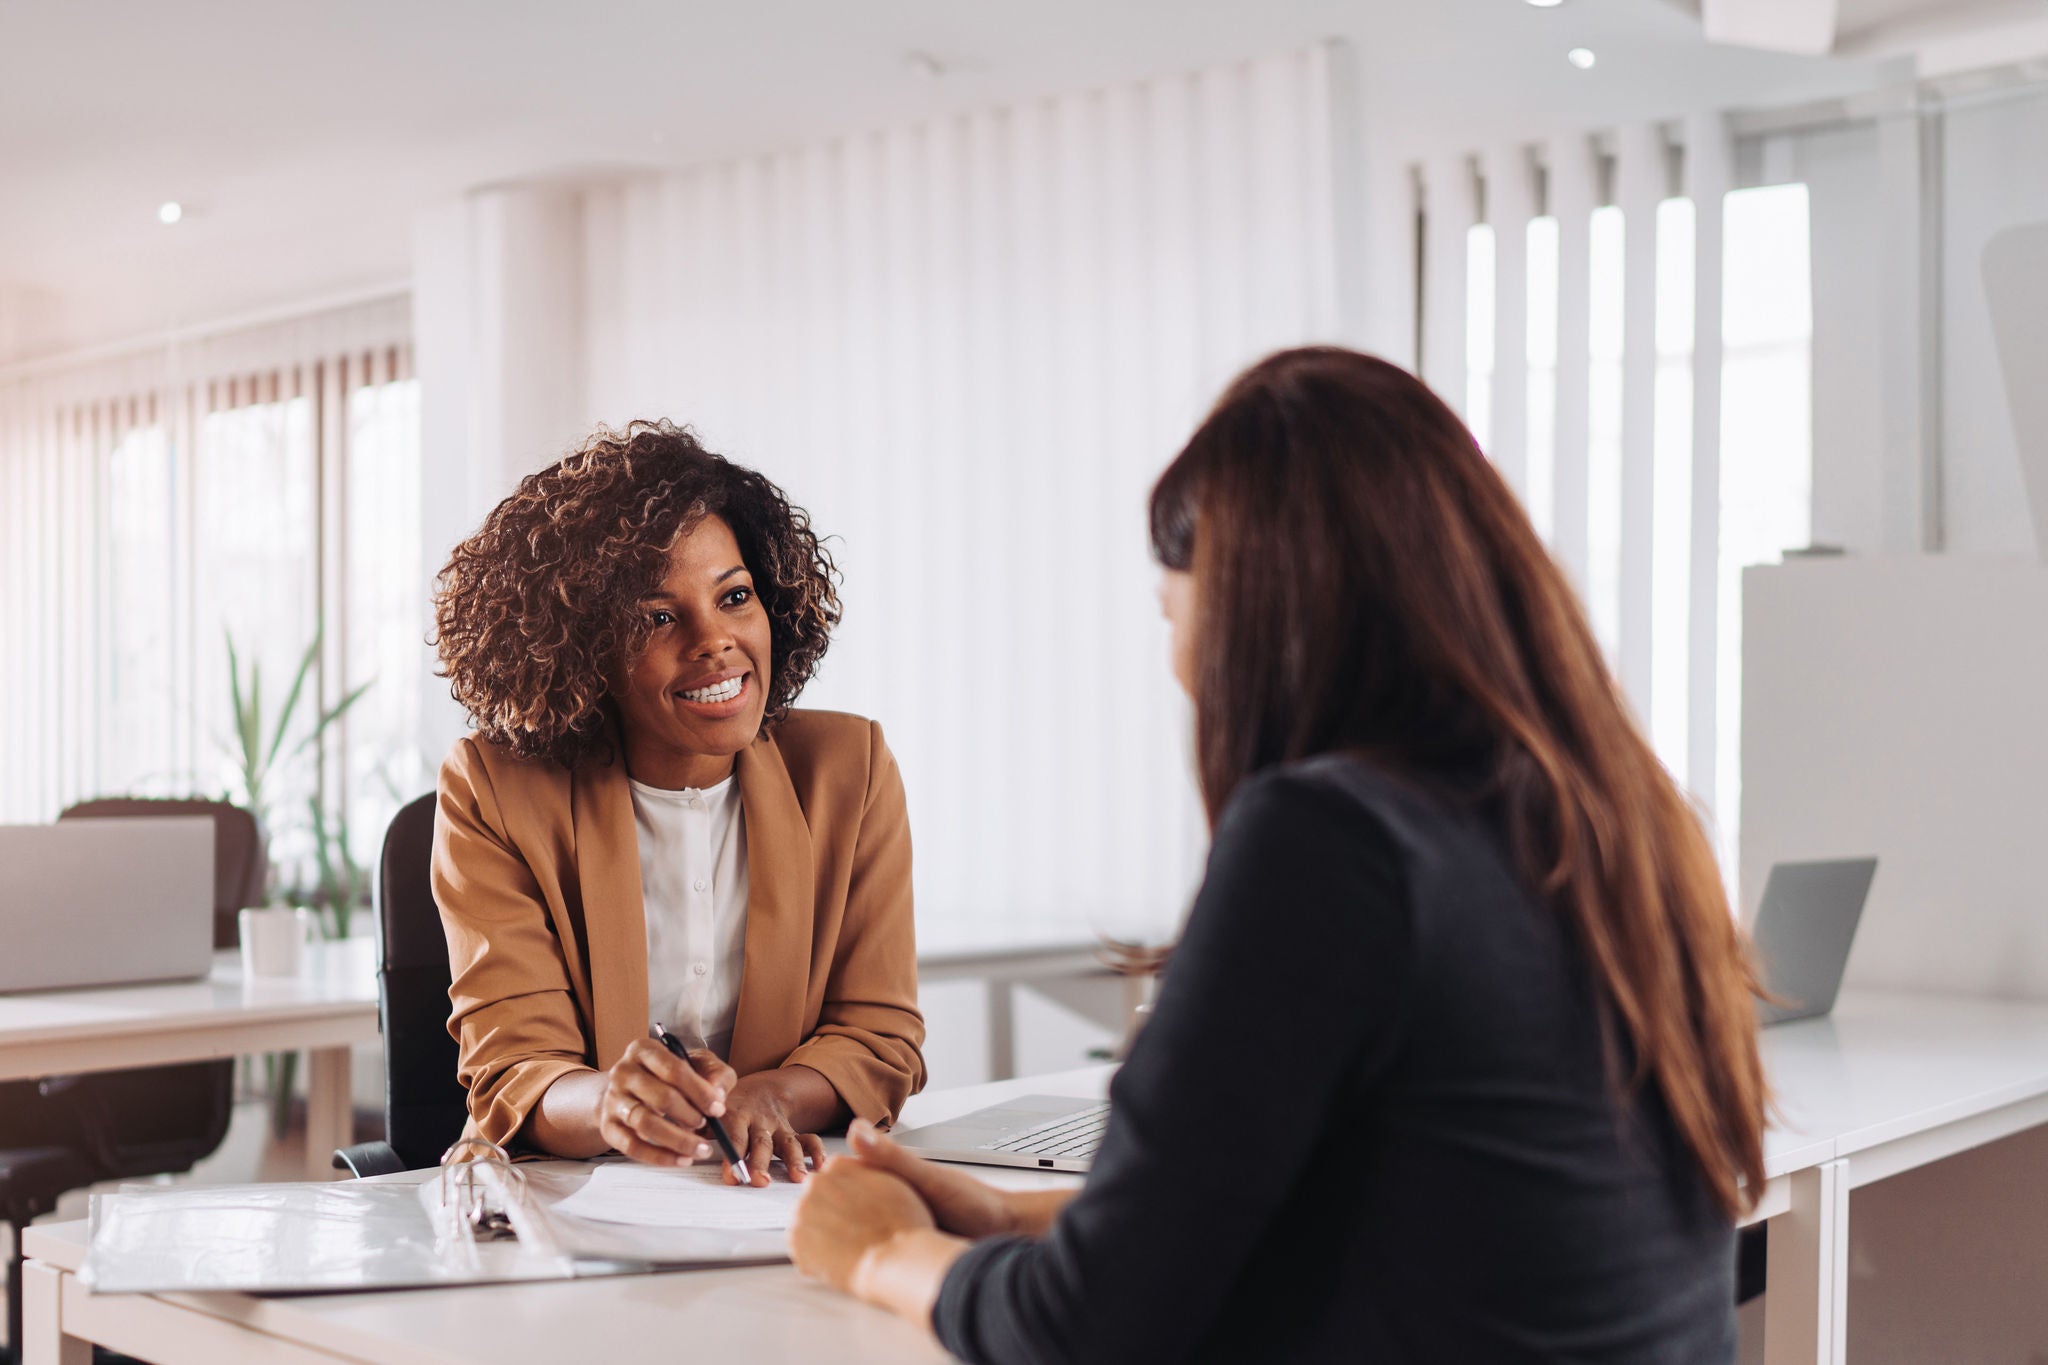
(686, 1197)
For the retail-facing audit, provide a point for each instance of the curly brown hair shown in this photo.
(537, 616)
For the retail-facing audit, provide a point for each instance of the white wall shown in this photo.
(967, 347)
(1893, 707)
(1995, 176)
(1986, 173)
(498, 328)
(1850, 293)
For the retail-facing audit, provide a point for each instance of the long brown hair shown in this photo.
(1367, 582)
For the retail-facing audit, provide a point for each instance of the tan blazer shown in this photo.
(537, 873)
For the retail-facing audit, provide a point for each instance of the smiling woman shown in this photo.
(643, 829)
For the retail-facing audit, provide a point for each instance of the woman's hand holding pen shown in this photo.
(654, 1104)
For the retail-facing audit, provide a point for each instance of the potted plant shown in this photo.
(257, 750)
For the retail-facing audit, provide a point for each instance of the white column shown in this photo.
(1640, 184)
(1908, 150)
(1709, 154)
(498, 344)
(1572, 194)
(1391, 208)
(1351, 207)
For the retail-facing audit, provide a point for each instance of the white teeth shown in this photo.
(724, 691)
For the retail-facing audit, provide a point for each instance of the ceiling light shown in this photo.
(169, 212)
(1546, 4)
(1582, 58)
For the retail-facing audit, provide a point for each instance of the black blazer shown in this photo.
(1369, 1120)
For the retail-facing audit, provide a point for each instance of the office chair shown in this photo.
(62, 1133)
(425, 1107)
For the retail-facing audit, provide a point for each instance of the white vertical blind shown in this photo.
(1572, 184)
(967, 347)
(1510, 204)
(1450, 208)
(1608, 292)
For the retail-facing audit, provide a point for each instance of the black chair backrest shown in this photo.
(240, 862)
(424, 1105)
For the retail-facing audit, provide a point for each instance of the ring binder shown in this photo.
(476, 1219)
(477, 1166)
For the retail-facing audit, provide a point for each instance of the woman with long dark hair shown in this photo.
(1456, 1059)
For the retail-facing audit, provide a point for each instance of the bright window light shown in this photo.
(1479, 322)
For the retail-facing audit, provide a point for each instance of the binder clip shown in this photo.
(472, 1171)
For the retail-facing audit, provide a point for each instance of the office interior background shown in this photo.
(1744, 297)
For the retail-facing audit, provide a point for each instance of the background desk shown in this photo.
(1890, 1082)
(326, 1011)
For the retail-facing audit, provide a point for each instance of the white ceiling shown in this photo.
(304, 139)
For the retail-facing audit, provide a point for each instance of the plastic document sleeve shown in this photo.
(478, 1220)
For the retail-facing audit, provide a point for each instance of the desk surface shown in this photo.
(334, 1002)
(1883, 1072)
(762, 1313)
(1889, 1066)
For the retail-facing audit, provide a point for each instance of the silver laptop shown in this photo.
(1041, 1131)
(105, 902)
(1804, 930)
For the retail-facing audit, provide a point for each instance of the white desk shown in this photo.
(326, 1011)
(957, 953)
(758, 1313)
(1891, 1082)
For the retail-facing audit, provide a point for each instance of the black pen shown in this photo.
(732, 1153)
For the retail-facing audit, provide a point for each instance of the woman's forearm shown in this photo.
(564, 1123)
(808, 1098)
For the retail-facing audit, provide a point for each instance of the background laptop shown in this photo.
(1804, 929)
(105, 902)
(1045, 1132)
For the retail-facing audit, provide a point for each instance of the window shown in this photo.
(252, 487)
(1766, 428)
(1479, 333)
(386, 609)
(1766, 431)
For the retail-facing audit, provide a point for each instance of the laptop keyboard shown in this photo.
(1069, 1136)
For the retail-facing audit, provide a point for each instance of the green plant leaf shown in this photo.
(329, 717)
(252, 729)
(291, 700)
(242, 754)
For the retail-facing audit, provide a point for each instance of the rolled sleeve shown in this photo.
(869, 1037)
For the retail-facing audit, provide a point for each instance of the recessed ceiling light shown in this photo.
(1582, 58)
(169, 212)
(1546, 4)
